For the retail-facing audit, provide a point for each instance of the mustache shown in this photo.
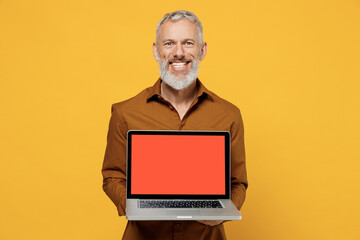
(183, 59)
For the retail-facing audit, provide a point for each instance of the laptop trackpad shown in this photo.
(183, 212)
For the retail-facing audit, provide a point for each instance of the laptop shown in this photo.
(179, 175)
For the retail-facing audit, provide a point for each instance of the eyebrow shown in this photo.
(172, 40)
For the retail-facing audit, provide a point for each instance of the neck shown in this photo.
(178, 97)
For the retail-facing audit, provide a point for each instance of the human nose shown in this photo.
(179, 51)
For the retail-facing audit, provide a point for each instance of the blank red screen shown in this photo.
(181, 164)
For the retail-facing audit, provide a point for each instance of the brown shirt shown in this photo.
(149, 111)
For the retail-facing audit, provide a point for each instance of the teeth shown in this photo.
(178, 64)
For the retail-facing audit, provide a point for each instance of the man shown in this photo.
(177, 101)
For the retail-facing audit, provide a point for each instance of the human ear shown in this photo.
(203, 51)
(156, 52)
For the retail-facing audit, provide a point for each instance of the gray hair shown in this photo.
(180, 15)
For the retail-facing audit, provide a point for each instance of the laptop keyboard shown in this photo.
(180, 204)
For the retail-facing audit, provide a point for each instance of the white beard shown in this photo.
(175, 82)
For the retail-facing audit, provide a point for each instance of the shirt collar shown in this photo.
(154, 91)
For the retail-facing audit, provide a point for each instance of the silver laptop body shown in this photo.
(179, 175)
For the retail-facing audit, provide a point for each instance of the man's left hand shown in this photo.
(210, 222)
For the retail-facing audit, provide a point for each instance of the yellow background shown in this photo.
(292, 67)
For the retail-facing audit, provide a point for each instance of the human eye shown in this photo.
(188, 43)
(168, 44)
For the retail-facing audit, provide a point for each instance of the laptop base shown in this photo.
(229, 212)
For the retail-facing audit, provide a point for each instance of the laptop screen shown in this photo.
(169, 163)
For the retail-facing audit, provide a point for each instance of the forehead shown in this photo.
(182, 29)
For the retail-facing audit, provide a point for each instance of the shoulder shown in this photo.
(224, 104)
(131, 103)
(230, 112)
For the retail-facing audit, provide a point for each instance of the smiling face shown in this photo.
(178, 52)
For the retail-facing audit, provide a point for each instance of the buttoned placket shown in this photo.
(177, 226)
(178, 231)
(183, 120)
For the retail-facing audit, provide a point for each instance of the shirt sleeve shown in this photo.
(114, 165)
(239, 181)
